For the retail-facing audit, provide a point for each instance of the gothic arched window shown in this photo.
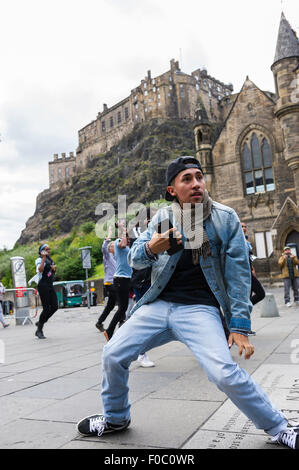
(257, 164)
(199, 137)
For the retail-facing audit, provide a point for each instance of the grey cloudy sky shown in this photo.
(61, 60)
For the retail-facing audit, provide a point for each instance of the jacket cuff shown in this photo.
(241, 332)
(240, 324)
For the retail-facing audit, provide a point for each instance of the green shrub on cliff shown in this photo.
(64, 251)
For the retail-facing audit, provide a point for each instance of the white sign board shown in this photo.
(86, 259)
(18, 271)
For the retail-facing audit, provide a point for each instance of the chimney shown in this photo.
(105, 108)
(55, 156)
(63, 156)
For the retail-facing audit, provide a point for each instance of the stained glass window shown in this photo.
(256, 152)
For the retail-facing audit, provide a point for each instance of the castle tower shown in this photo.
(286, 76)
(203, 145)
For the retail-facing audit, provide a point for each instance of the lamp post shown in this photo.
(86, 264)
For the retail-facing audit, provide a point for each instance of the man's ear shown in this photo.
(171, 190)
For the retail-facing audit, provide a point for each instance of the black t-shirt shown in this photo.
(47, 274)
(188, 284)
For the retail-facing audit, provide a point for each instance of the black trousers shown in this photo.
(122, 289)
(111, 294)
(257, 291)
(49, 302)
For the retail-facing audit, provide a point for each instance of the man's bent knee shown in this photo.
(229, 375)
(113, 357)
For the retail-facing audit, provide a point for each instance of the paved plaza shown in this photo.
(46, 386)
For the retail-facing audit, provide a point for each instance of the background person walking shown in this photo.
(46, 269)
(290, 275)
(140, 283)
(2, 292)
(109, 289)
(122, 280)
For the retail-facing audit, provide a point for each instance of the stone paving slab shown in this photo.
(194, 385)
(161, 423)
(13, 407)
(43, 374)
(28, 434)
(275, 376)
(149, 381)
(9, 386)
(180, 365)
(69, 410)
(79, 361)
(282, 359)
(229, 418)
(58, 389)
(229, 440)
(98, 445)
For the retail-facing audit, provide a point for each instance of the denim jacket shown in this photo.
(227, 270)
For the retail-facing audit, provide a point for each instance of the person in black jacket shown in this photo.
(46, 270)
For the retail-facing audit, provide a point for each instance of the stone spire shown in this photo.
(287, 41)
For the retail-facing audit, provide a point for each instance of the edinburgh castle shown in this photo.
(173, 95)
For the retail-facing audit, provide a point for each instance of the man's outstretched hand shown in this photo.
(243, 343)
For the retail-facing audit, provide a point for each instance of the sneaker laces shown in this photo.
(288, 437)
(97, 424)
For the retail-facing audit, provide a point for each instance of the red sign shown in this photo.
(20, 291)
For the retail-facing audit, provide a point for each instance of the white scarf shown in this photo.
(191, 219)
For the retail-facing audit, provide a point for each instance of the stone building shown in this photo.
(253, 166)
(174, 94)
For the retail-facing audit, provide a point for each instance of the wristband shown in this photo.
(148, 252)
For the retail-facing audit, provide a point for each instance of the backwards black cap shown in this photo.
(176, 166)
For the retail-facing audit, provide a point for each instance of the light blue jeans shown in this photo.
(199, 327)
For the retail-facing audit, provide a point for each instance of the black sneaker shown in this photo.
(251, 333)
(289, 437)
(40, 334)
(99, 326)
(96, 425)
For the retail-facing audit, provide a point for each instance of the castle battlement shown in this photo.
(61, 168)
